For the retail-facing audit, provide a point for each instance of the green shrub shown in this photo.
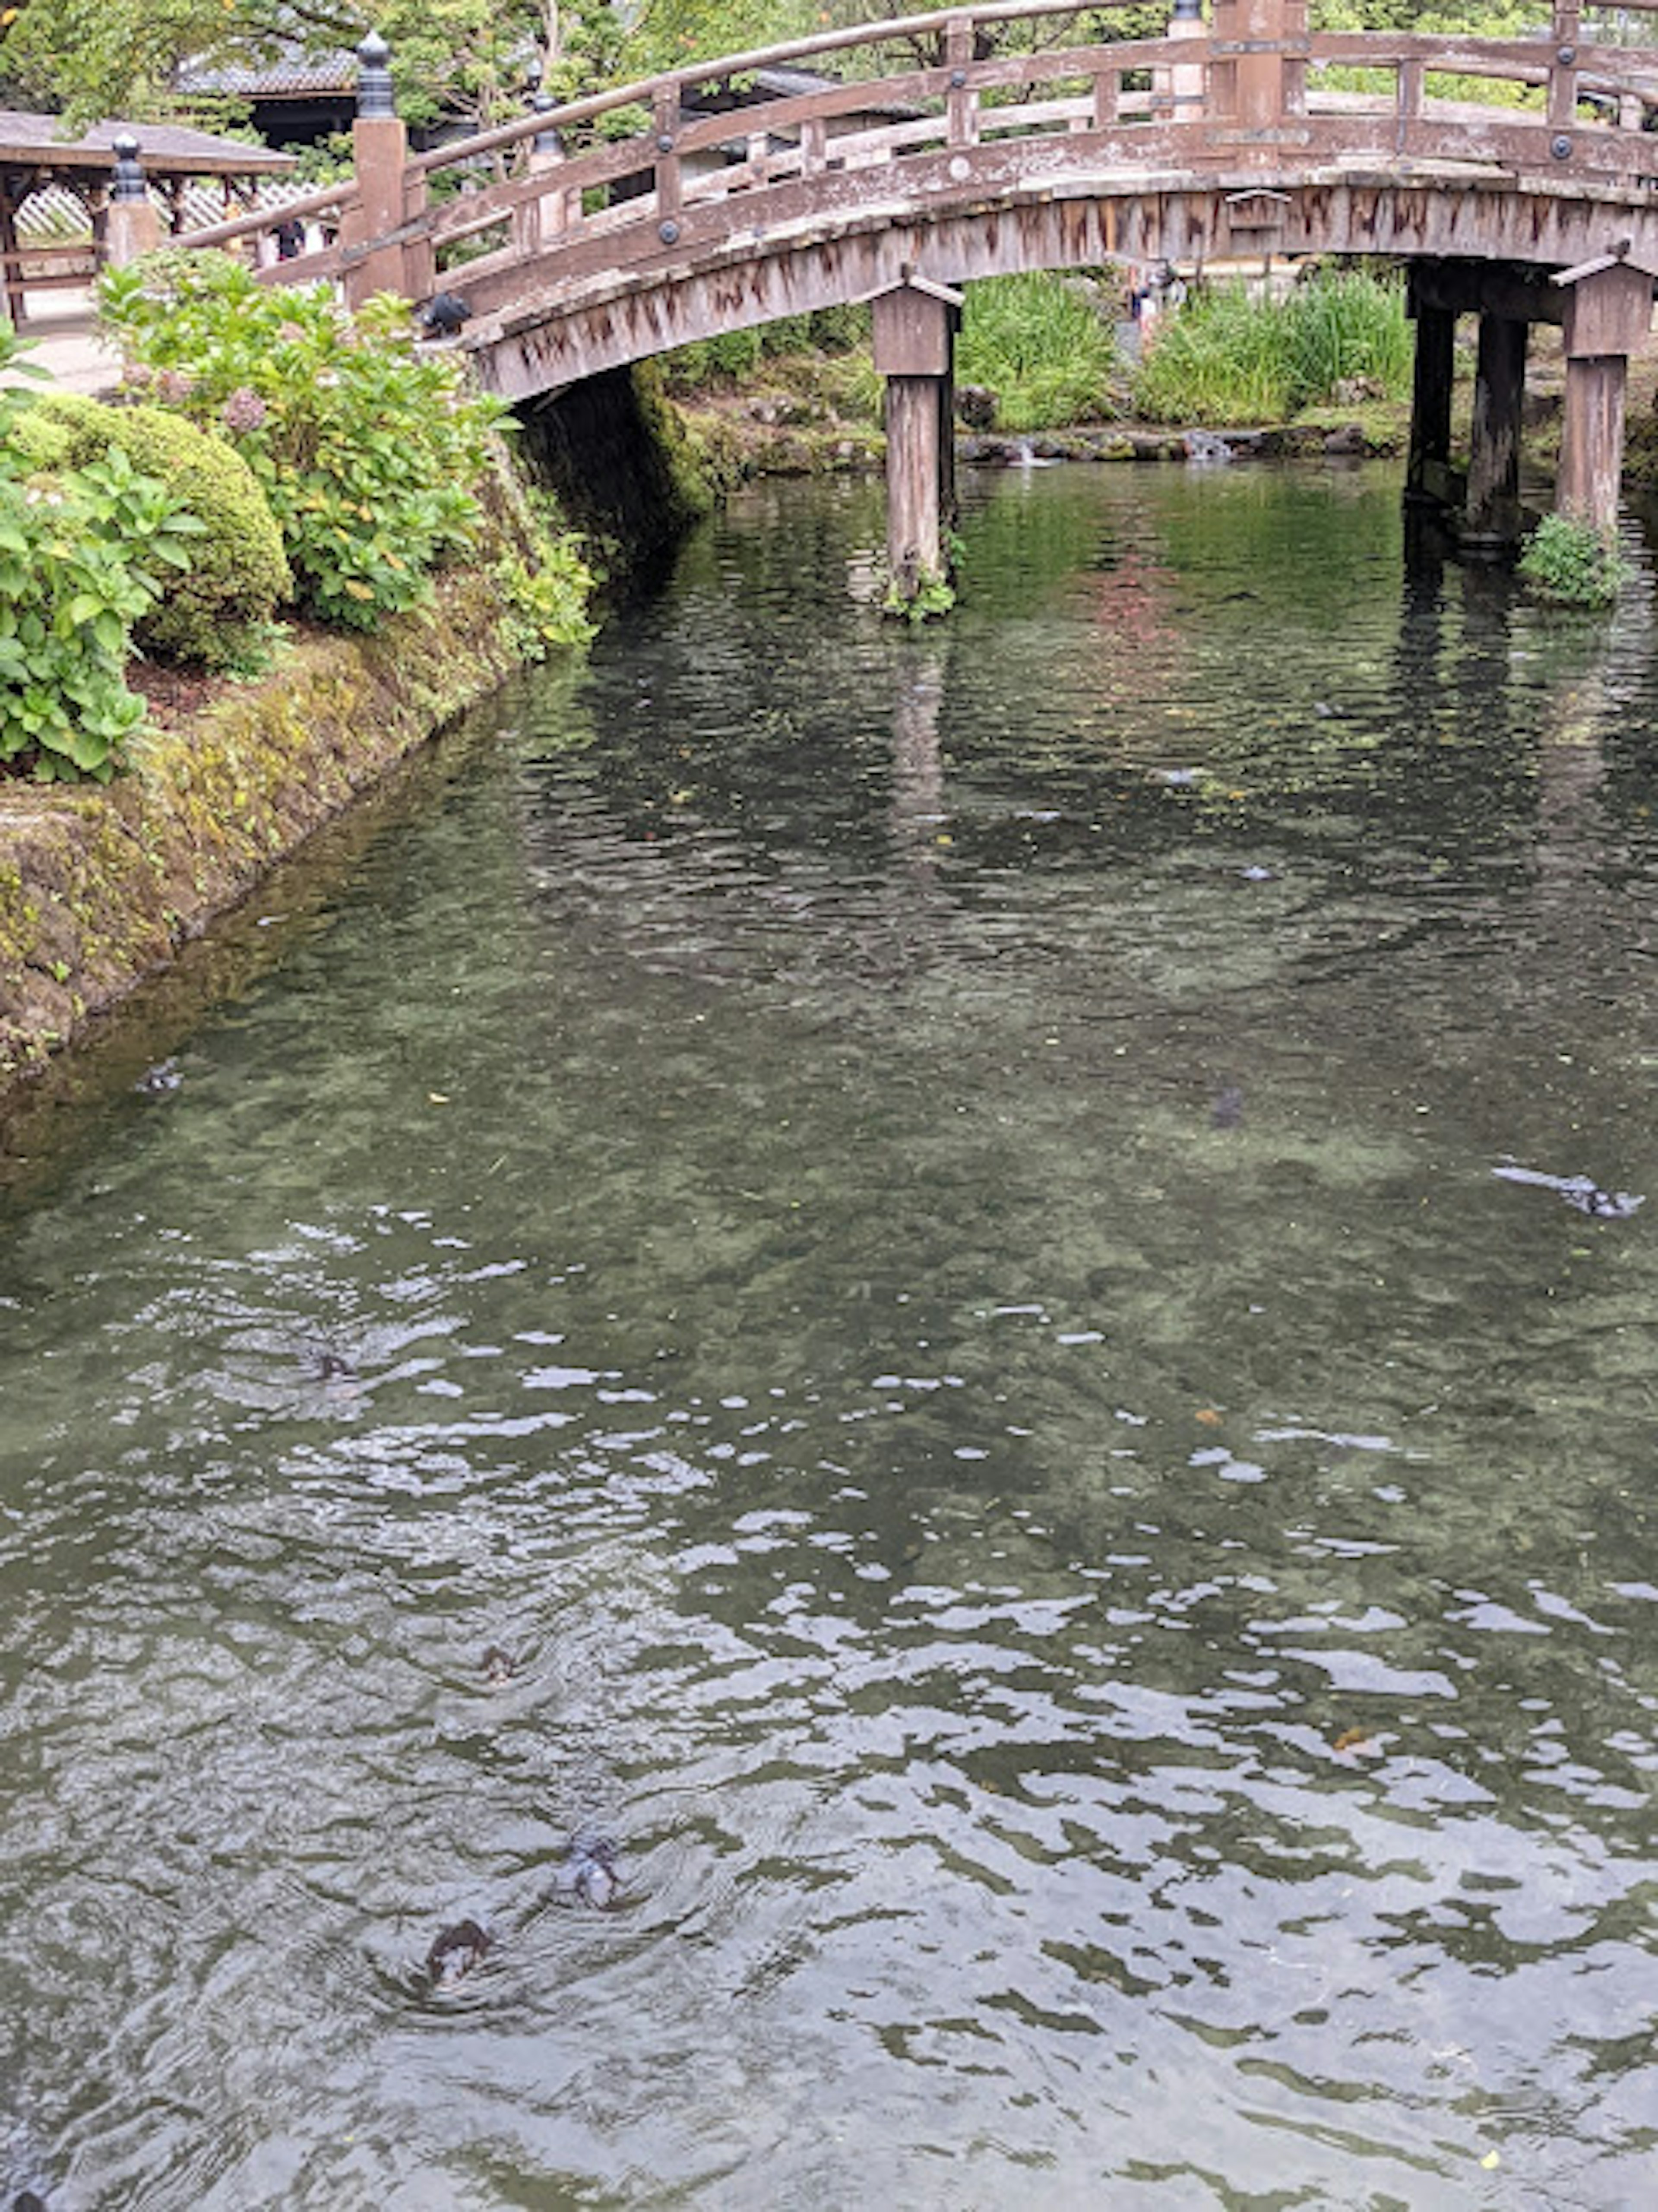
(1573, 564)
(239, 575)
(1040, 344)
(371, 449)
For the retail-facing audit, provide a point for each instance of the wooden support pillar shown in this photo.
(1592, 441)
(1427, 477)
(1608, 316)
(915, 543)
(1491, 522)
(915, 331)
(16, 307)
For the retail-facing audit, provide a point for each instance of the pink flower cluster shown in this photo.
(243, 410)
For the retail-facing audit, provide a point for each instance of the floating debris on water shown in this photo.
(160, 1081)
(1580, 1191)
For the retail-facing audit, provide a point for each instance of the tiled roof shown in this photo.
(165, 149)
(295, 77)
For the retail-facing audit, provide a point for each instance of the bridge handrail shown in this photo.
(951, 89)
(644, 91)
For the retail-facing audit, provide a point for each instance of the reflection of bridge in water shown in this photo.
(956, 145)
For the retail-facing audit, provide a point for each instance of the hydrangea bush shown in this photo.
(83, 553)
(371, 449)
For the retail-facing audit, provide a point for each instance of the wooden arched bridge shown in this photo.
(897, 161)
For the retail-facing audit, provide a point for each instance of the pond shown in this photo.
(826, 1329)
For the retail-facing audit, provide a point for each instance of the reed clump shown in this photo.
(1230, 357)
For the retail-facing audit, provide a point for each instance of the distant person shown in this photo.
(290, 239)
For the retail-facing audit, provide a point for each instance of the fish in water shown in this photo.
(590, 1872)
(456, 1952)
(498, 1666)
(160, 1081)
(1580, 1191)
(1228, 1110)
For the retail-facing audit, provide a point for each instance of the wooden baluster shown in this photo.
(962, 102)
(1563, 73)
(813, 144)
(1108, 98)
(1413, 79)
(1292, 67)
(670, 181)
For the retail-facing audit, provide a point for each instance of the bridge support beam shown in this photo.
(914, 331)
(1428, 471)
(1491, 522)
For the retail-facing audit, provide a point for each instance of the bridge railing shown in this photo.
(961, 102)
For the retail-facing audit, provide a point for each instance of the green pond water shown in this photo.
(904, 1228)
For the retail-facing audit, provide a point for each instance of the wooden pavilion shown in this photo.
(35, 156)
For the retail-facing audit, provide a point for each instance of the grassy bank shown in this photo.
(1038, 354)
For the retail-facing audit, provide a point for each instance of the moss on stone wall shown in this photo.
(100, 886)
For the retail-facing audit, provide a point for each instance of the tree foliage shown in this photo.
(471, 58)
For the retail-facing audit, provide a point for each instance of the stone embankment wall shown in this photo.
(101, 885)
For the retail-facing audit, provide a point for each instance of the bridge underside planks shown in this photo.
(732, 279)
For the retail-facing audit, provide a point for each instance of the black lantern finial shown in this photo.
(375, 78)
(128, 175)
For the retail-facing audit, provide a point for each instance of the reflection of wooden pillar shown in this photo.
(1491, 517)
(1608, 316)
(914, 331)
(1428, 470)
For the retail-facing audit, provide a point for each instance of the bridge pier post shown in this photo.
(1608, 315)
(1428, 470)
(1491, 523)
(914, 332)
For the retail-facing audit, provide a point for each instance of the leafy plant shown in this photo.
(82, 560)
(548, 597)
(371, 450)
(238, 574)
(1574, 564)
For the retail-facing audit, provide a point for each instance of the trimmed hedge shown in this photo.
(239, 574)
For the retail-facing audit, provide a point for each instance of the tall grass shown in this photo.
(1041, 345)
(1229, 357)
